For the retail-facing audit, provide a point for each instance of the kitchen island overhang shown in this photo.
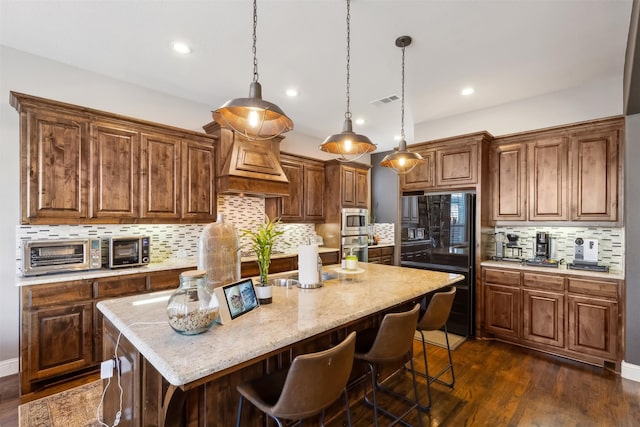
(298, 320)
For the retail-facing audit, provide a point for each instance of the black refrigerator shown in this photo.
(438, 233)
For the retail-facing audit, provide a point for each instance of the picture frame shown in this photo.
(240, 297)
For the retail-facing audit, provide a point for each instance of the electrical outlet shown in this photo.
(106, 369)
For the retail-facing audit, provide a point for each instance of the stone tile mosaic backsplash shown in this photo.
(174, 240)
(610, 242)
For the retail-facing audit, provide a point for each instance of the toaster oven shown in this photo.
(119, 251)
(60, 255)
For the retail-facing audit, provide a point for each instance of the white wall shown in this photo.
(37, 76)
(603, 99)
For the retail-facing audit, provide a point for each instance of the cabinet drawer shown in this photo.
(387, 250)
(123, 285)
(56, 293)
(594, 287)
(374, 253)
(329, 258)
(502, 277)
(544, 281)
(164, 280)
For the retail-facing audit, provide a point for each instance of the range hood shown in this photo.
(247, 167)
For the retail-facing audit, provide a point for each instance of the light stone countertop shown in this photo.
(167, 264)
(294, 315)
(562, 269)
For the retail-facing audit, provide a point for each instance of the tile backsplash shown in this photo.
(610, 242)
(173, 240)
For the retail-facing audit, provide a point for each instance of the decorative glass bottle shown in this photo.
(193, 307)
(218, 253)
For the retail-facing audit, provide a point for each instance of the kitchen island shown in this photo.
(171, 379)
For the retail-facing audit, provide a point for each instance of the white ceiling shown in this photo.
(507, 49)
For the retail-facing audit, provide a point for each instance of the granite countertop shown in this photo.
(167, 264)
(561, 269)
(294, 315)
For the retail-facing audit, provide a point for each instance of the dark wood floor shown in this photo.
(496, 385)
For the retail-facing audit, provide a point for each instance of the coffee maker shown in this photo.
(542, 245)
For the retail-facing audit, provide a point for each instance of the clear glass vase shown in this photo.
(218, 253)
(193, 307)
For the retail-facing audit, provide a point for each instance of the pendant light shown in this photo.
(253, 117)
(348, 145)
(402, 160)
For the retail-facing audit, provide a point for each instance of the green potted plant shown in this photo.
(262, 241)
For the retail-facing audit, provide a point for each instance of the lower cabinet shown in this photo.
(558, 313)
(381, 255)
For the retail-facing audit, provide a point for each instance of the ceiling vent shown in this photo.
(386, 100)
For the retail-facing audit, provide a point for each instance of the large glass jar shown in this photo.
(193, 307)
(218, 253)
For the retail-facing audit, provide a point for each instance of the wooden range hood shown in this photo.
(247, 167)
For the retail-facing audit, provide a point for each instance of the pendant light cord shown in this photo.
(255, 38)
(402, 103)
(347, 115)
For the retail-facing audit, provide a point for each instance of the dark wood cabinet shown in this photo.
(86, 166)
(381, 255)
(594, 165)
(508, 163)
(423, 176)
(347, 184)
(572, 173)
(558, 313)
(457, 166)
(548, 179)
(305, 202)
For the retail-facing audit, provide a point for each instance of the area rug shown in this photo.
(75, 407)
(437, 338)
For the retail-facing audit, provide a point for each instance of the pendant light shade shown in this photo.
(348, 145)
(253, 117)
(402, 160)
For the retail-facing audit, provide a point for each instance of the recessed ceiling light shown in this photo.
(360, 121)
(467, 91)
(181, 48)
(292, 92)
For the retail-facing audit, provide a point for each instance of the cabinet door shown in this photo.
(59, 340)
(198, 181)
(54, 161)
(422, 176)
(410, 209)
(362, 188)
(115, 182)
(348, 191)
(543, 317)
(594, 172)
(457, 166)
(313, 195)
(160, 173)
(593, 326)
(548, 180)
(508, 182)
(502, 310)
(292, 206)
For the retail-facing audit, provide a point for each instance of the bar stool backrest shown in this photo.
(315, 380)
(395, 336)
(438, 311)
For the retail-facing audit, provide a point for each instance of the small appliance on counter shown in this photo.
(509, 251)
(586, 256)
(125, 251)
(60, 255)
(542, 251)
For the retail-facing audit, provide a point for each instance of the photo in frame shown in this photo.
(240, 297)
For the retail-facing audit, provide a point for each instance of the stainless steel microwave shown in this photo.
(354, 221)
(130, 251)
(60, 255)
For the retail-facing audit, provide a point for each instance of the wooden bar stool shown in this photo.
(434, 318)
(312, 383)
(392, 342)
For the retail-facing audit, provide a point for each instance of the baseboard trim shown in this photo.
(630, 372)
(8, 367)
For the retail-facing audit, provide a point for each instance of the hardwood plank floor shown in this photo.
(497, 384)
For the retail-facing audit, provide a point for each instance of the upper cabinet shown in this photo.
(352, 181)
(572, 173)
(85, 166)
(451, 163)
(305, 202)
